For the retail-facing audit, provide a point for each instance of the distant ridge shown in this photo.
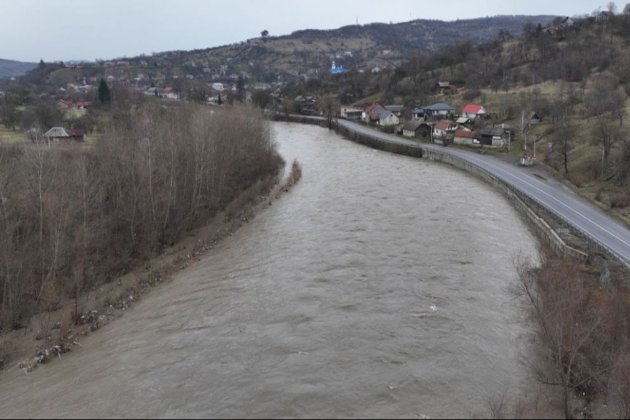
(11, 68)
(307, 53)
(367, 46)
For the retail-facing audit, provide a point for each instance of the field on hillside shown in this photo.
(10, 136)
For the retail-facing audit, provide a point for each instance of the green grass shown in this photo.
(74, 113)
(9, 136)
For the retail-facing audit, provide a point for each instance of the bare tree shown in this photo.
(71, 218)
(565, 323)
(329, 106)
(606, 134)
(619, 385)
(564, 131)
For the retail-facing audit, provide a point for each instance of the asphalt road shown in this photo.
(575, 210)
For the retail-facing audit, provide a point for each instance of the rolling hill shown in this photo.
(355, 47)
(10, 68)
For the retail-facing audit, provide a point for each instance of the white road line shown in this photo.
(510, 176)
(525, 181)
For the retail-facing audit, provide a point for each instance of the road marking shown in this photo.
(513, 177)
(493, 166)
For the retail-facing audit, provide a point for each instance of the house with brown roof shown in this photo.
(443, 129)
(466, 137)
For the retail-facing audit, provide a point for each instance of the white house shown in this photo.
(395, 109)
(474, 111)
(443, 128)
(350, 113)
(387, 118)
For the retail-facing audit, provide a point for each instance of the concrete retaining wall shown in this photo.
(537, 216)
(400, 149)
(533, 213)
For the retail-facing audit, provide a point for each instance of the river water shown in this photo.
(378, 287)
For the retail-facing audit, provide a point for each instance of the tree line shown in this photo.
(75, 217)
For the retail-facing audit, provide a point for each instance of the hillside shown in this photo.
(572, 74)
(10, 68)
(355, 47)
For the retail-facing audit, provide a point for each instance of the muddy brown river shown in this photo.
(378, 287)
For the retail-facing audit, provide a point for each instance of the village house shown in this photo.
(494, 137)
(352, 114)
(443, 129)
(474, 111)
(61, 134)
(386, 118)
(444, 87)
(397, 110)
(465, 137)
(417, 128)
(306, 105)
(439, 110)
(367, 113)
(463, 121)
(77, 134)
(418, 114)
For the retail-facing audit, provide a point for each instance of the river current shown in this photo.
(378, 287)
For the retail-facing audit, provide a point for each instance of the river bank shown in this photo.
(366, 292)
(600, 280)
(49, 335)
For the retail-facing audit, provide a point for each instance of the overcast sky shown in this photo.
(52, 30)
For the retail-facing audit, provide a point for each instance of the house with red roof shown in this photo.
(369, 114)
(474, 111)
(377, 114)
(82, 104)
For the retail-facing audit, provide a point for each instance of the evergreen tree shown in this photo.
(240, 88)
(104, 96)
